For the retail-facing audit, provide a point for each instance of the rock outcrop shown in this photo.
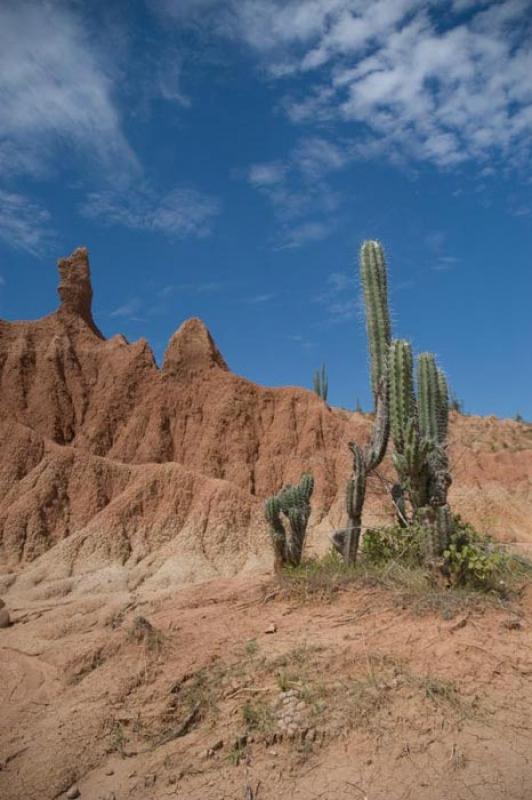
(105, 458)
(75, 287)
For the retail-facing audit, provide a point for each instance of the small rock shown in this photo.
(461, 623)
(109, 771)
(217, 745)
(272, 628)
(512, 623)
(4, 615)
(72, 793)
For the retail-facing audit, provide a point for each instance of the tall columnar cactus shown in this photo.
(374, 280)
(288, 540)
(321, 383)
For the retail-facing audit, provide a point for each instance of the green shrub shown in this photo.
(475, 560)
(394, 543)
(472, 560)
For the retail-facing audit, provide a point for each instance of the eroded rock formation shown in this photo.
(105, 458)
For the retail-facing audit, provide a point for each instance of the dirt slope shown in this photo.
(105, 458)
(358, 699)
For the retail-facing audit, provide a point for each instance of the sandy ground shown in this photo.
(357, 698)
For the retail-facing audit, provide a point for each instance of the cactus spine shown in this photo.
(374, 280)
(288, 540)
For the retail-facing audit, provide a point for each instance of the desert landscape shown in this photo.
(151, 651)
(265, 400)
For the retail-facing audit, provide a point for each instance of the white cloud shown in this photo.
(180, 213)
(260, 298)
(206, 287)
(128, 310)
(55, 90)
(339, 297)
(267, 174)
(24, 225)
(441, 81)
(305, 232)
(169, 78)
(296, 189)
(316, 157)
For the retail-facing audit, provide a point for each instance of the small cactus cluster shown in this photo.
(321, 383)
(414, 412)
(288, 535)
(418, 424)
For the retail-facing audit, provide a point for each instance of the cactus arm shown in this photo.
(402, 393)
(443, 406)
(272, 509)
(376, 447)
(428, 397)
(355, 496)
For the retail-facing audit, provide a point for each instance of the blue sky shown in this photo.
(225, 159)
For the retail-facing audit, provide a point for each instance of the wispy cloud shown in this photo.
(24, 224)
(316, 157)
(302, 341)
(180, 213)
(202, 287)
(440, 260)
(55, 90)
(298, 192)
(338, 297)
(267, 174)
(304, 233)
(260, 298)
(169, 78)
(129, 310)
